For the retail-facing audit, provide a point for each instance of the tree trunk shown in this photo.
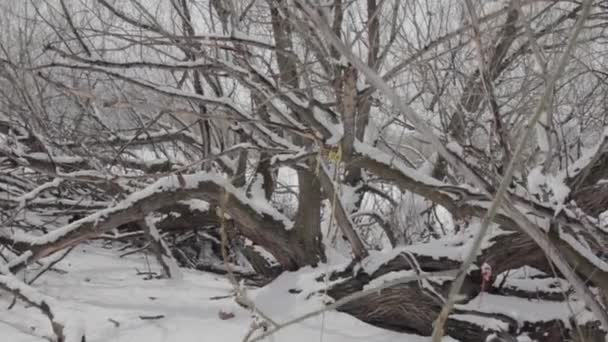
(307, 234)
(410, 307)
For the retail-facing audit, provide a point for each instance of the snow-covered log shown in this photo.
(519, 305)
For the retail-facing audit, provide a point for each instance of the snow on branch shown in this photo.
(252, 212)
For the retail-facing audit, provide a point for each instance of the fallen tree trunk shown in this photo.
(413, 306)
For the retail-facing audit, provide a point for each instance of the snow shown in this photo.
(427, 166)
(84, 174)
(72, 327)
(261, 251)
(488, 323)
(266, 255)
(437, 249)
(393, 275)
(32, 194)
(554, 185)
(541, 137)
(525, 272)
(518, 281)
(335, 128)
(102, 295)
(450, 247)
(524, 338)
(536, 180)
(538, 66)
(349, 197)
(58, 159)
(523, 310)
(196, 205)
(285, 157)
(18, 260)
(384, 158)
(603, 220)
(547, 285)
(454, 147)
(257, 187)
(588, 254)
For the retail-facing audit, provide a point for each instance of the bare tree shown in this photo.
(404, 125)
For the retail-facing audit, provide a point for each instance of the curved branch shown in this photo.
(257, 220)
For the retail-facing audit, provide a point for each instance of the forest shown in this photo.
(269, 170)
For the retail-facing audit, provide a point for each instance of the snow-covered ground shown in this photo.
(105, 295)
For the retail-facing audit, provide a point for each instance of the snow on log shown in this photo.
(413, 306)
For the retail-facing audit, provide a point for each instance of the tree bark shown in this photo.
(410, 307)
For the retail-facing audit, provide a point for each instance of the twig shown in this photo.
(49, 265)
(151, 317)
(136, 250)
(115, 322)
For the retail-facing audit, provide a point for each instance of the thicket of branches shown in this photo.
(253, 136)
